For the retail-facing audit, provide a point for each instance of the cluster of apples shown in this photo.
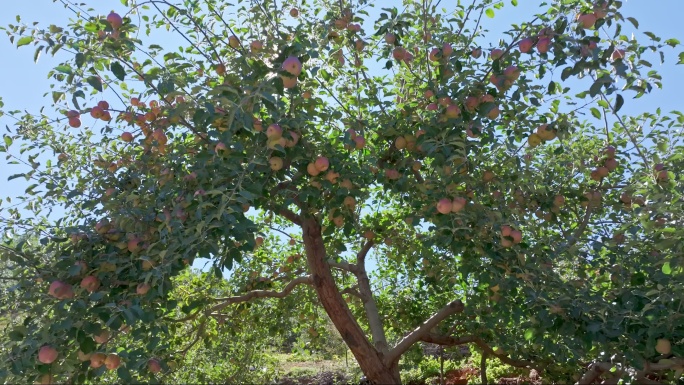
(609, 165)
(505, 80)
(510, 236)
(542, 42)
(588, 19)
(115, 21)
(447, 206)
(274, 133)
(543, 134)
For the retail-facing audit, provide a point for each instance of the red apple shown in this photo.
(234, 42)
(496, 54)
(61, 290)
(114, 20)
(543, 45)
(525, 45)
(292, 65)
(90, 283)
(97, 360)
(447, 50)
(47, 354)
(294, 12)
(154, 366)
(452, 111)
(112, 361)
(276, 163)
(274, 131)
(322, 163)
(476, 53)
(390, 38)
(127, 137)
(142, 288)
(102, 338)
(618, 54)
(444, 206)
(587, 20)
(458, 204)
(256, 45)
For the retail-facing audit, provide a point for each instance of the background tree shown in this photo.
(497, 211)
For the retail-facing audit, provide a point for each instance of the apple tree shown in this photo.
(411, 175)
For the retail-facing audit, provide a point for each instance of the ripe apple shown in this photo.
(90, 283)
(516, 235)
(543, 45)
(360, 142)
(392, 174)
(488, 176)
(294, 12)
(350, 202)
(534, 140)
(312, 170)
(97, 360)
(559, 200)
(587, 20)
(154, 366)
(512, 72)
(434, 54)
(103, 105)
(444, 206)
(47, 354)
(112, 361)
(274, 131)
(115, 20)
(663, 346)
(292, 65)
(390, 38)
(233, 42)
(61, 290)
(220, 147)
(618, 54)
(142, 288)
(127, 137)
(493, 113)
(288, 81)
(476, 53)
(400, 143)
(447, 50)
(545, 133)
(399, 53)
(96, 112)
(322, 163)
(458, 204)
(496, 54)
(452, 111)
(102, 338)
(611, 164)
(525, 45)
(276, 163)
(256, 46)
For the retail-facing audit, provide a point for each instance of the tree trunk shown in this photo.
(369, 359)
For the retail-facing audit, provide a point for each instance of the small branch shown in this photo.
(420, 332)
(595, 371)
(361, 256)
(225, 302)
(343, 266)
(352, 291)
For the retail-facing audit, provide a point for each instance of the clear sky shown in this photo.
(23, 82)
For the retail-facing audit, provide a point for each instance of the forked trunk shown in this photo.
(369, 359)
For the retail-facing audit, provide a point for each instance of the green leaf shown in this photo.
(681, 58)
(8, 140)
(95, 82)
(489, 12)
(529, 334)
(65, 69)
(619, 101)
(80, 59)
(667, 270)
(595, 112)
(118, 70)
(634, 22)
(24, 41)
(672, 42)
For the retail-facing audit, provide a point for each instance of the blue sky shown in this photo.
(23, 82)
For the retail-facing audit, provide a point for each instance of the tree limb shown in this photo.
(225, 302)
(361, 255)
(453, 341)
(420, 332)
(343, 265)
(483, 368)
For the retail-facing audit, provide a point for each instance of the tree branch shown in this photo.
(452, 341)
(343, 265)
(225, 302)
(361, 256)
(420, 332)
